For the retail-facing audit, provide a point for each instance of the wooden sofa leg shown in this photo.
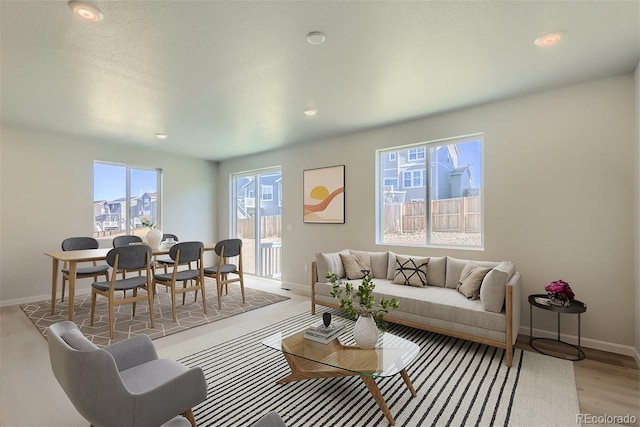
(188, 414)
(509, 351)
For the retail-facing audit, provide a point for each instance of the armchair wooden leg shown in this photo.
(188, 414)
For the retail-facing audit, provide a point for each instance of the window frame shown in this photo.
(128, 197)
(379, 189)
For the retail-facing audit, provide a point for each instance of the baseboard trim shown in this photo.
(39, 298)
(626, 350)
(304, 290)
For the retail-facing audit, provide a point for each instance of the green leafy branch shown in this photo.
(361, 301)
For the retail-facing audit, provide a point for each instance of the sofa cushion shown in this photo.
(330, 263)
(436, 273)
(492, 290)
(379, 263)
(455, 266)
(355, 266)
(411, 271)
(471, 279)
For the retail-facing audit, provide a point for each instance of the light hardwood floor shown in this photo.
(607, 384)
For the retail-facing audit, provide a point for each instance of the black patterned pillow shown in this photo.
(411, 271)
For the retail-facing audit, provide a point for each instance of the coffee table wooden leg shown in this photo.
(408, 382)
(375, 391)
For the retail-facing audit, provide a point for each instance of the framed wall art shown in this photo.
(324, 195)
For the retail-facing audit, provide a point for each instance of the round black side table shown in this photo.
(576, 307)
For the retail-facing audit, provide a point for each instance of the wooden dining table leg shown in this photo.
(54, 283)
(72, 286)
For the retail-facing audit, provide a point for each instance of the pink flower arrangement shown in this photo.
(561, 289)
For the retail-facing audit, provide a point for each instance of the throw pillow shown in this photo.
(470, 285)
(355, 266)
(329, 263)
(379, 263)
(411, 271)
(468, 268)
(493, 288)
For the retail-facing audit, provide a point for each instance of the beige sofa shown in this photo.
(438, 294)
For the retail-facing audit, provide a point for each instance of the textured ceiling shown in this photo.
(226, 79)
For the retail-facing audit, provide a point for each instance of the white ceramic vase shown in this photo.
(365, 332)
(153, 238)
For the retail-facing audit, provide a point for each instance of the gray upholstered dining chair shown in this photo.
(226, 249)
(125, 240)
(124, 384)
(165, 261)
(129, 258)
(184, 253)
(94, 271)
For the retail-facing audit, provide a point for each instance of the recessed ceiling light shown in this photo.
(86, 12)
(316, 37)
(549, 39)
(162, 135)
(310, 112)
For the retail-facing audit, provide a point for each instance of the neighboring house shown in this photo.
(404, 174)
(111, 215)
(270, 195)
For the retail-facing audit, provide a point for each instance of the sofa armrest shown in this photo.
(515, 284)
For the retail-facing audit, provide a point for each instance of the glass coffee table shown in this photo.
(309, 359)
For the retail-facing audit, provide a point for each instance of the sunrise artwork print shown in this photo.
(324, 195)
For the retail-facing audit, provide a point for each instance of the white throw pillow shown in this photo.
(330, 263)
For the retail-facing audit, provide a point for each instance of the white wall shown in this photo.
(559, 179)
(46, 184)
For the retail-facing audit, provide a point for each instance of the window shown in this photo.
(122, 197)
(267, 193)
(416, 153)
(391, 183)
(414, 179)
(392, 156)
(441, 199)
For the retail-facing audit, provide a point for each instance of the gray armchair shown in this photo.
(124, 384)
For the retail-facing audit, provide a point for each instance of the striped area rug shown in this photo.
(457, 383)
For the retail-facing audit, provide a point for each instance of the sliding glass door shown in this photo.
(256, 202)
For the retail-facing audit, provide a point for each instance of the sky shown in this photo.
(109, 181)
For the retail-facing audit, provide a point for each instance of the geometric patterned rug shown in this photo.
(188, 315)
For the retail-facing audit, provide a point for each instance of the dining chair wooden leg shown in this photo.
(93, 305)
(133, 310)
(242, 288)
(111, 316)
(64, 283)
(219, 286)
(150, 299)
(173, 302)
(204, 299)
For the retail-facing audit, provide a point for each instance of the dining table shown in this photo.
(73, 258)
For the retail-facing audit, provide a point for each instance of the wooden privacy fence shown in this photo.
(461, 215)
(270, 226)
